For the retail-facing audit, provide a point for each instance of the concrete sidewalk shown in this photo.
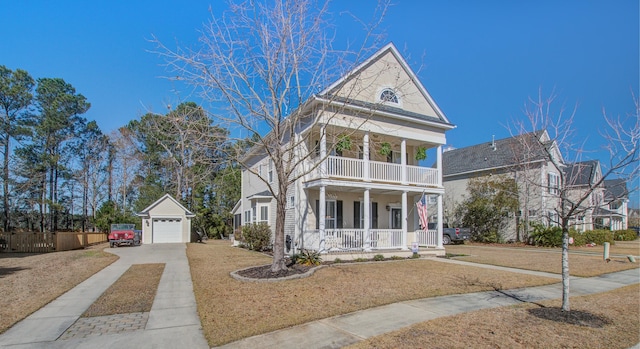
(173, 321)
(339, 331)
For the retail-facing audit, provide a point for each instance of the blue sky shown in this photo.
(481, 59)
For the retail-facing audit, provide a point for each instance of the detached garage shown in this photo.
(166, 221)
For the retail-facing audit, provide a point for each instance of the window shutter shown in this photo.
(374, 215)
(317, 214)
(339, 214)
(356, 215)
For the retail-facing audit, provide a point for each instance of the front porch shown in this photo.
(377, 241)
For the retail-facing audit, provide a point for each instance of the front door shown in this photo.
(396, 218)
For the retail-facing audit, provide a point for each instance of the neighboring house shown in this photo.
(616, 195)
(360, 197)
(580, 176)
(634, 217)
(520, 158)
(523, 159)
(166, 221)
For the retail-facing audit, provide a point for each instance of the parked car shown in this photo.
(124, 234)
(452, 235)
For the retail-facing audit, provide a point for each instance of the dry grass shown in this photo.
(541, 260)
(30, 281)
(133, 292)
(231, 309)
(620, 247)
(605, 320)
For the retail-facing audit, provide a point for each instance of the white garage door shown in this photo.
(167, 230)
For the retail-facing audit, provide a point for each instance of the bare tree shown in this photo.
(126, 163)
(261, 64)
(556, 143)
(190, 145)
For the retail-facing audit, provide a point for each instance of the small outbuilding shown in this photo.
(166, 221)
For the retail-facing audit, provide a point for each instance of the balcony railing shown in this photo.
(353, 169)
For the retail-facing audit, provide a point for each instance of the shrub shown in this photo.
(257, 237)
(487, 237)
(545, 236)
(396, 258)
(378, 258)
(337, 260)
(625, 235)
(360, 260)
(307, 257)
(599, 237)
(579, 239)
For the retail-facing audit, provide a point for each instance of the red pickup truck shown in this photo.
(124, 234)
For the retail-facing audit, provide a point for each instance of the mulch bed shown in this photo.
(264, 272)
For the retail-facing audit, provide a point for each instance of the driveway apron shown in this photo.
(173, 321)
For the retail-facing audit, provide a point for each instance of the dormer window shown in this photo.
(388, 95)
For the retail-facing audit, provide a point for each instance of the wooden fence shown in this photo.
(48, 242)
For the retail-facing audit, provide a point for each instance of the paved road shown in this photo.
(173, 321)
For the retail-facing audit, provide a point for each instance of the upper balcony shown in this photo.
(343, 168)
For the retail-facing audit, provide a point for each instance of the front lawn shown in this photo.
(547, 260)
(231, 310)
(604, 320)
(29, 281)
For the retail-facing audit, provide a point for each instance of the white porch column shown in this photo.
(365, 157)
(322, 213)
(323, 151)
(403, 161)
(440, 221)
(405, 217)
(439, 166)
(367, 226)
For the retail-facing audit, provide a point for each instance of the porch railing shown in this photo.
(344, 167)
(342, 240)
(349, 168)
(427, 238)
(385, 172)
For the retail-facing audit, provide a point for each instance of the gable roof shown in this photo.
(329, 92)
(615, 189)
(501, 153)
(145, 212)
(261, 195)
(582, 173)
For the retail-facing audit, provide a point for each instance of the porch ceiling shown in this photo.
(375, 188)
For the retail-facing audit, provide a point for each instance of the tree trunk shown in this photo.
(110, 174)
(565, 268)
(5, 185)
(43, 198)
(278, 238)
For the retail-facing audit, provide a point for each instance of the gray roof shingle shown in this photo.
(497, 154)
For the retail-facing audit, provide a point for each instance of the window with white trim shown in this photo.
(291, 202)
(553, 183)
(247, 216)
(331, 213)
(270, 171)
(553, 219)
(264, 214)
(389, 95)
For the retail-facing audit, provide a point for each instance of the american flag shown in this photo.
(421, 206)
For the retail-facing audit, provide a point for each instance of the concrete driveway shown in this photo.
(173, 321)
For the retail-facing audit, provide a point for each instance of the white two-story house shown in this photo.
(360, 168)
